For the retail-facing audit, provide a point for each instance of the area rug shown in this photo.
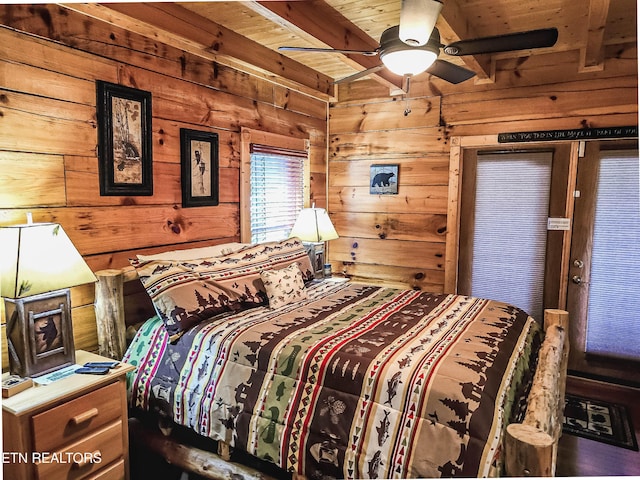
(597, 420)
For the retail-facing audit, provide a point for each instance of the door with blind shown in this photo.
(604, 277)
(507, 252)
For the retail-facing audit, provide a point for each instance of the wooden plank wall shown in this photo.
(400, 239)
(50, 58)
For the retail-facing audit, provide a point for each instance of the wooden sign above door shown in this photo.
(575, 134)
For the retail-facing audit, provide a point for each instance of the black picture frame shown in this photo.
(199, 168)
(40, 333)
(125, 143)
(383, 179)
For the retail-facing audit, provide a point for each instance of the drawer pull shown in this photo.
(84, 417)
(87, 458)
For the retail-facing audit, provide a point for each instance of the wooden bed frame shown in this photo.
(530, 446)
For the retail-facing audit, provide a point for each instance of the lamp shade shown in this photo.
(39, 258)
(417, 19)
(313, 225)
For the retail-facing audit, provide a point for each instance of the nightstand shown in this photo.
(74, 428)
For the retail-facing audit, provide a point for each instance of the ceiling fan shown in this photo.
(414, 46)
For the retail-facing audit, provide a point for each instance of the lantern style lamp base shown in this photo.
(39, 333)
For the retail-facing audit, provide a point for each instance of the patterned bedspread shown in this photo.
(356, 381)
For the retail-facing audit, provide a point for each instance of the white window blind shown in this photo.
(613, 319)
(277, 191)
(510, 230)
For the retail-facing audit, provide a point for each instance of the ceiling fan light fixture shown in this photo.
(417, 19)
(403, 59)
(411, 61)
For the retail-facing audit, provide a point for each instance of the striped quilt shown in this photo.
(356, 381)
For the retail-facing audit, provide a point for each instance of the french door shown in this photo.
(507, 250)
(558, 226)
(603, 293)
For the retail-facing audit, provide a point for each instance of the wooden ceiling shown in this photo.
(247, 34)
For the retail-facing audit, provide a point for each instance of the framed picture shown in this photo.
(124, 140)
(383, 179)
(316, 255)
(39, 333)
(199, 168)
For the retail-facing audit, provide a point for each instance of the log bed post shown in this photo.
(531, 446)
(109, 306)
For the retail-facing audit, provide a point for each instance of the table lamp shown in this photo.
(313, 226)
(37, 266)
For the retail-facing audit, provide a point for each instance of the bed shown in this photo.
(327, 378)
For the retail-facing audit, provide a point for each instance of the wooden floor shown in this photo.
(580, 457)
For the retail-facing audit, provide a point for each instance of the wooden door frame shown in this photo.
(458, 147)
(584, 240)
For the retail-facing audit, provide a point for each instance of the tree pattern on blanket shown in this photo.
(186, 292)
(353, 382)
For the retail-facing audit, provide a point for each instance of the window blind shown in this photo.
(510, 230)
(613, 319)
(277, 191)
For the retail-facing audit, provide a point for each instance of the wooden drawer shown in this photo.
(105, 445)
(111, 472)
(71, 420)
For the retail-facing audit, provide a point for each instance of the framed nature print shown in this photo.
(383, 179)
(124, 140)
(199, 168)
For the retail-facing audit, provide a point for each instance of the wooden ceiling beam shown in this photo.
(173, 24)
(320, 20)
(592, 55)
(453, 26)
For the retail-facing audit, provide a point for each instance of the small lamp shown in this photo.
(38, 265)
(313, 226)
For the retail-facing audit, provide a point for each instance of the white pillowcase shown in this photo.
(194, 253)
(284, 286)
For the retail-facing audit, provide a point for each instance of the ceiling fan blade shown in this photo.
(361, 74)
(327, 50)
(450, 72)
(545, 37)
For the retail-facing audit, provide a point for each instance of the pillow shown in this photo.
(193, 253)
(289, 251)
(284, 286)
(188, 291)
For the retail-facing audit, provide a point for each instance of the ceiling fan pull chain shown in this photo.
(407, 107)
(407, 100)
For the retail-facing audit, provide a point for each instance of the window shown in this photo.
(274, 184)
(277, 191)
